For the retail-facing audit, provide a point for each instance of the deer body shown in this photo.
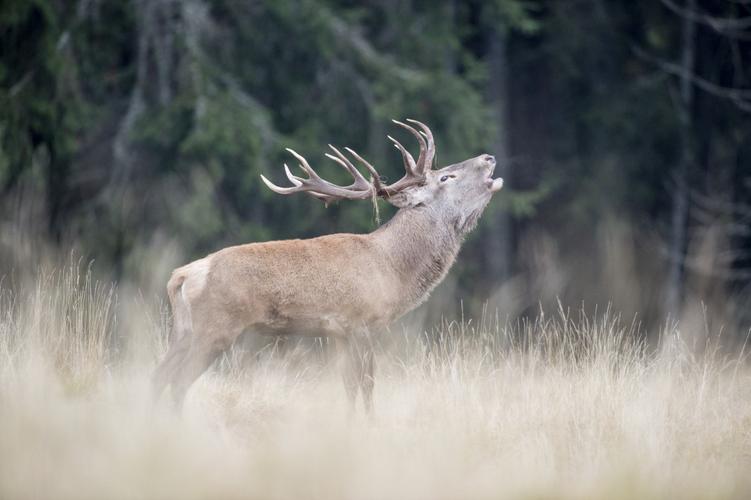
(341, 285)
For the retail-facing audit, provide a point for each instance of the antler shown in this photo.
(416, 171)
(361, 188)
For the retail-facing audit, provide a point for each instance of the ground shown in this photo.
(560, 408)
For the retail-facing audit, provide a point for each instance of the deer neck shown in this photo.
(421, 248)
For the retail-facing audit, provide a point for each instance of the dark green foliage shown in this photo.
(141, 118)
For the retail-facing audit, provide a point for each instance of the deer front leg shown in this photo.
(347, 358)
(356, 355)
(367, 380)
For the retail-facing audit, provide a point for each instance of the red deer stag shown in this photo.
(340, 285)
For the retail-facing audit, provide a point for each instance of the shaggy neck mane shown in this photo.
(421, 248)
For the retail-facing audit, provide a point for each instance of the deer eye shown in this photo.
(447, 177)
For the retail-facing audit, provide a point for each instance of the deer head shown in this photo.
(456, 194)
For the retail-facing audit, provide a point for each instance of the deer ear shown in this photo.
(399, 200)
(407, 198)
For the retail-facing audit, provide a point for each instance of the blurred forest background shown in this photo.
(137, 130)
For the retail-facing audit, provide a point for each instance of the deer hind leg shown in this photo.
(165, 372)
(180, 336)
(197, 360)
(212, 335)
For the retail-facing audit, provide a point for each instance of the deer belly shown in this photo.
(318, 326)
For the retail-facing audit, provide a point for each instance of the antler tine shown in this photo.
(303, 164)
(430, 154)
(409, 161)
(314, 178)
(360, 181)
(371, 169)
(297, 181)
(421, 140)
(279, 189)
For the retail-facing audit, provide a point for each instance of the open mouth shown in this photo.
(494, 184)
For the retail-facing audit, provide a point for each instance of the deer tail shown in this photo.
(182, 323)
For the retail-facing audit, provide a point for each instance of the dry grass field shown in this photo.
(566, 407)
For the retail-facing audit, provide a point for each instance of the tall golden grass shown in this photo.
(565, 406)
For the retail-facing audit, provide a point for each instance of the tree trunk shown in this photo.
(679, 219)
(497, 250)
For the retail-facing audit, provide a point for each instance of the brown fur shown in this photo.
(343, 286)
